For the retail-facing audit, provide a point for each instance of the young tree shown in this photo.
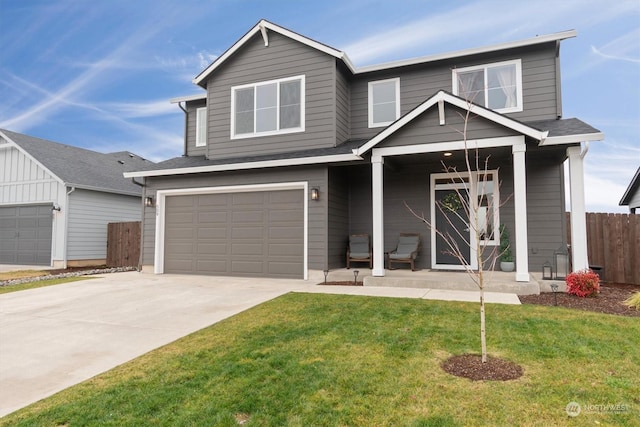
(470, 205)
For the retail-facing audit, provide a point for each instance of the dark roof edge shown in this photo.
(631, 189)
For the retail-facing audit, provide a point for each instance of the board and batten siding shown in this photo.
(192, 107)
(420, 82)
(315, 176)
(22, 180)
(256, 63)
(343, 106)
(89, 214)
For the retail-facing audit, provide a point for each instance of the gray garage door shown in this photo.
(25, 235)
(256, 234)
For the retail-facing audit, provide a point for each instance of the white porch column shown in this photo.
(520, 204)
(377, 166)
(579, 256)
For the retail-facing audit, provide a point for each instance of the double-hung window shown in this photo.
(201, 127)
(268, 108)
(497, 86)
(384, 102)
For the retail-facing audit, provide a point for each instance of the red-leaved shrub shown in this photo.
(583, 283)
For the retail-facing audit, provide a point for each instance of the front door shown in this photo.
(451, 228)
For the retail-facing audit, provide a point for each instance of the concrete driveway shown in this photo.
(55, 337)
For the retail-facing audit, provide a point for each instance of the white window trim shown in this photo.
(372, 124)
(517, 62)
(200, 143)
(301, 128)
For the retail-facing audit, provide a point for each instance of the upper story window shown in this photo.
(496, 86)
(201, 127)
(384, 102)
(268, 108)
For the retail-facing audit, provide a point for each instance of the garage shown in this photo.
(25, 235)
(249, 233)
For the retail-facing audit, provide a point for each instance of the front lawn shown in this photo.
(312, 359)
(5, 289)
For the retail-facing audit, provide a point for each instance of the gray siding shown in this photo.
(256, 63)
(191, 108)
(343, 106)
(315, 176)
(545, 206)
(338, 217)
(426, 129)
(420, 82)
(89, 213)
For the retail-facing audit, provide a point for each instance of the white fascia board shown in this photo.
(571, 139)
(453, 100)
(266, 25)
(188, 98)
(466, 52)
(248, 165)
(436, 147)
(12, 143)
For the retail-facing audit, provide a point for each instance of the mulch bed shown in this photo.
(343, 283)
(609, 301)
(470, 366)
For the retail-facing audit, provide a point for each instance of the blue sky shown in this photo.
(99, 74)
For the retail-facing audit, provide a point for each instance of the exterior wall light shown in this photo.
(148, 201)
(315, 194)
(56, 207)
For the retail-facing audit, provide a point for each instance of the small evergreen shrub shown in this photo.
(583, 283)
(633, 301)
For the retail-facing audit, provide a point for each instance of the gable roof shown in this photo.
(264, 26)
(442, 97)
(633, 187)
(79, 167)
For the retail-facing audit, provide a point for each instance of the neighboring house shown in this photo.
(56, 201)
(292, 148)
(631, 197)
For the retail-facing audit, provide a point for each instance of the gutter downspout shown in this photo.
(66, 228)
(144, 194)
(186, 118)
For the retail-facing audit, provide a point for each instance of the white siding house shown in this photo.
(631, 196)
(56, 201)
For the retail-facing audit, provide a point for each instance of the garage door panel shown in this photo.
(288, 249)
(179, 265)
(206, 249)
(212, 233)
(25, 234)
(247, 233)
(244, 267)
(239, 234)
(244, 249)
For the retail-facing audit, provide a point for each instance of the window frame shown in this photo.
(519, 100)
(278, 131)
(201, 136)
(370, 102)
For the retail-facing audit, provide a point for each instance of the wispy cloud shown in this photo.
(625, 48)
(152, 108)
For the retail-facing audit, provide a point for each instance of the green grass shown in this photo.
(40, 284)
(330, 360)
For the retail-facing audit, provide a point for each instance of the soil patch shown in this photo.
(343, 283)
(471, 366)
(609, 300)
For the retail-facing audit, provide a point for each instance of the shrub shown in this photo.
(633, 301)
(584, 283)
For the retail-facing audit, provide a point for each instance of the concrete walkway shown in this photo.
(54, 337)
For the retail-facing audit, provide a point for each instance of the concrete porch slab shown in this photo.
(495, 281)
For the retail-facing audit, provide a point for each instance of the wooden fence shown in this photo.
(123, 244)
(613, 242)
